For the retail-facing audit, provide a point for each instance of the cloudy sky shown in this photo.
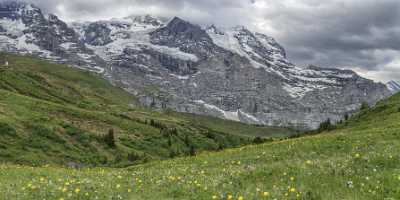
(363, 35)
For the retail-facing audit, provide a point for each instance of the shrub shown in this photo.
(346, 117)
(326, 126)
(364, 106)
(168, 131)
(134, 156)
(192, 150)
(72, 130)
(78, 134)
(6, 129)
(40, 137)
(156, 124)
(258, 140)
(45, 133)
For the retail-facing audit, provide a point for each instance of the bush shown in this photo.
(398, 110)
(192, 150)
(6, 129)
(364, 106)
(258, 140)
(156, 124)
(39, 131)
(40, 138)
(72, 130)
(326, 126)
(134, 156)
(78, 134)
(168, 131)
(346, 117)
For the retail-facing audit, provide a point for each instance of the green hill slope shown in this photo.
(358, 160)
(56, 114)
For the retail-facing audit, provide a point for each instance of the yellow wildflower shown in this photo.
(265, 194)
(77, 190)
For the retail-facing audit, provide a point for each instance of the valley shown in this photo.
(357, 160)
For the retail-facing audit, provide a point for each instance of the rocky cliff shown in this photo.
(231, 73)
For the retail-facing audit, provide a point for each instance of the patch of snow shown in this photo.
(300, 89)
(316, 79)
(234, 116)
(100, 70)
(13, 27)
(138, 41)
(175, 52)
(67, 45)
(296, 91)
(84, 56)
(200, 102)
(227, 40)
(25, 46)
(250, 117)
(180, 77)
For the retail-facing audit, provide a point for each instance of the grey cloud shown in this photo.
(339, 32)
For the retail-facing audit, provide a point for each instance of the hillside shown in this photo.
(357, 161)
(54, 114)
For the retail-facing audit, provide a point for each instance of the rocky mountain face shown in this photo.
(393, 86)
(231, 73)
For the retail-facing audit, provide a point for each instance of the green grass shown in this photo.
(358, 160)
(54, 114)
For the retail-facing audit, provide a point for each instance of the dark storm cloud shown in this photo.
(359, 34)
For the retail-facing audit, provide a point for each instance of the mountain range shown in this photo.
(231, 73)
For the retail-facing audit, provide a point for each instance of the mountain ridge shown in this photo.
(233, 73)
(393, 86)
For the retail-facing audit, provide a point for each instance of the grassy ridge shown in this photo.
(358, 160)
(56, 114)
